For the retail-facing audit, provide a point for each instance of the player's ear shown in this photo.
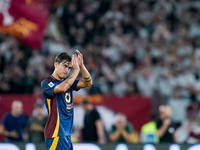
(55, 64)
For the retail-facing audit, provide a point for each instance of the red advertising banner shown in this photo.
(136, 108)
(24, 19)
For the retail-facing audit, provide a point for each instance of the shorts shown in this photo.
(59, 143)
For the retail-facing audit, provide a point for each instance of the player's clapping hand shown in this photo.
(75, 64)
(80, 58)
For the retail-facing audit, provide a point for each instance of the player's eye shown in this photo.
(66, 66)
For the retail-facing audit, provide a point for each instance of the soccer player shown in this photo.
(57, 93)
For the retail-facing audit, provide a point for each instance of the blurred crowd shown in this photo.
(90, 125)
(130, 47)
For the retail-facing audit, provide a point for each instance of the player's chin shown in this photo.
(64, 75)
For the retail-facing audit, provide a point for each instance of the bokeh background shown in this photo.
(141, 54)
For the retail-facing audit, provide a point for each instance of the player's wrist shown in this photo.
(82, 66)
(77, 69)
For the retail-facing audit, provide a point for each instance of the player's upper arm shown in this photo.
(48, 87)
(57, 90)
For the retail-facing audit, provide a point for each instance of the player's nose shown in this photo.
(67, 69)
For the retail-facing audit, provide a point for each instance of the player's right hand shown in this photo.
(75, 64)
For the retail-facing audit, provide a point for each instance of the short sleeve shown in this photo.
(74, 85)
(48, 87)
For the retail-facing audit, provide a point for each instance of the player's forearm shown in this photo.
(69, 81)
(86, 76)
(65, 85)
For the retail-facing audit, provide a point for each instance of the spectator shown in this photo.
(93, 130)
(121, 131)
(149, 132)
(178, 106)
(13, 123)
(108, 32)
(188, 131)
(165, 129)
(36, 124)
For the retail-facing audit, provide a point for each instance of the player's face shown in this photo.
(63, 69)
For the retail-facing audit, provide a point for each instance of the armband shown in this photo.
(88, 79)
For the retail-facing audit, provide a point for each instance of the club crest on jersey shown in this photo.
(51, 84)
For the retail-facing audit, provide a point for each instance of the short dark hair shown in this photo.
(64, 56)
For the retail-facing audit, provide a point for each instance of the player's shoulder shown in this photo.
(48, 81)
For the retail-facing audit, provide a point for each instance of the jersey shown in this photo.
(60, 108)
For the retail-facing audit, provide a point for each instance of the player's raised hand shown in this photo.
(80, 58)
(75, 64)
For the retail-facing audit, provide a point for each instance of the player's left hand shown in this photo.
(80, 58)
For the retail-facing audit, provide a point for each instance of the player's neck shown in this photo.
(56, 76)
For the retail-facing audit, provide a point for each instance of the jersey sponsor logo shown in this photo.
(51, 84)
(68, 100)
(70, 106)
